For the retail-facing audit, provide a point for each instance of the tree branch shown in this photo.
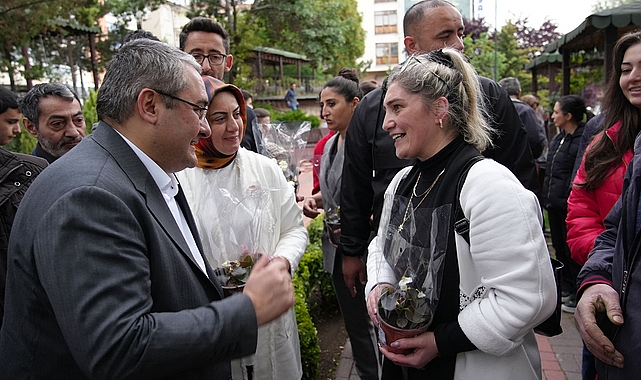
(23, 6)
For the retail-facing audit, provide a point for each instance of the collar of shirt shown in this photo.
(167, 184)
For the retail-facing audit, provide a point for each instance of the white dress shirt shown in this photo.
(168, 186)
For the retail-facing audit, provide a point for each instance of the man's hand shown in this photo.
(353, 267)
(270, 289)
(424, 350)
(599, 298)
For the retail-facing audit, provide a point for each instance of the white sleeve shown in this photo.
(293, 234)
(507, 258)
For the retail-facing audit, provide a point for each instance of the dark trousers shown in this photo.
(559, 234)
(358, 324)
(588, 370)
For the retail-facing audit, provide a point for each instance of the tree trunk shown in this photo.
(72, 67)
(27, 65)
(12, 79)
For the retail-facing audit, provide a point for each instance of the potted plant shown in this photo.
(233, 274)
(284, 142)
(332, 221)
(403, 312)
(288, 173)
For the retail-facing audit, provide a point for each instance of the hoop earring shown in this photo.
(440, 122)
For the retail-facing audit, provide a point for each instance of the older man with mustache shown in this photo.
(53, 115)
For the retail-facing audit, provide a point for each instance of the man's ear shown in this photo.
(410, 45)
(229, 61)
(30, 127)
(147, 105)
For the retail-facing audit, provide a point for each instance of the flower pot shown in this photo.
(231, 290)
(388, 334)
(334, 232)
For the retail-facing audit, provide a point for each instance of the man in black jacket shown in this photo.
(533, 126)
(17, 171)
(370, 157)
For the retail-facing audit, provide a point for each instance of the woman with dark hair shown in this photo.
(338, 100)
(495, 285)
(568, 115)
(227, 171)
(599, 180)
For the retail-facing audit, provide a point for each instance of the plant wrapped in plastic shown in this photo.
(284, 143)
(244, 226)
(414, 250)
(233, 274)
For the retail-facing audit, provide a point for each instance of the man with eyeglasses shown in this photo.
(371, 163)
(208, 42)
(106, 276)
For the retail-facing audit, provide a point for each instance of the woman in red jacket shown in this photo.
(593, 194)
(599, 181)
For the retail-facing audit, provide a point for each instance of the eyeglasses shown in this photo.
(199, 110)
(214, 59)
(449, 89)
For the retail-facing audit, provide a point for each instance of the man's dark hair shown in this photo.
(415, 14)
(247, 95)
(368, 86)
(136, 34)
(30, 104)
(261, 113)
(511, 85)
(7, 100)
(207, 25)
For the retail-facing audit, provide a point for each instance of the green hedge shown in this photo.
(310, 279)
(298, 115)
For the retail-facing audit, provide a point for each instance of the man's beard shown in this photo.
(59, 149)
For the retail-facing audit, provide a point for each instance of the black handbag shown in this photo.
(552, 325)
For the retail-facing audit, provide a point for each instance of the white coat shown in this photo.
(278, 349)
(507, 284)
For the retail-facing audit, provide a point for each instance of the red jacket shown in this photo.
(588, 208)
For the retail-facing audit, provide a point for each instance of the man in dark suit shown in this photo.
(106, 278)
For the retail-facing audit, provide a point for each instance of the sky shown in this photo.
(567, 14)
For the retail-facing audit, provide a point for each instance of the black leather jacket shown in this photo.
(17, 171)
(557, 184)
(371, 162)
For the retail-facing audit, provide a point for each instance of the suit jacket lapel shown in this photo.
(145, 184)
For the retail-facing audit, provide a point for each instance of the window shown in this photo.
(385, 22)
(387, 53)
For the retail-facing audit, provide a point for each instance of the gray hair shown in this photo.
(511, 85)
(446, 73)
(137, 65)
(29, 105)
